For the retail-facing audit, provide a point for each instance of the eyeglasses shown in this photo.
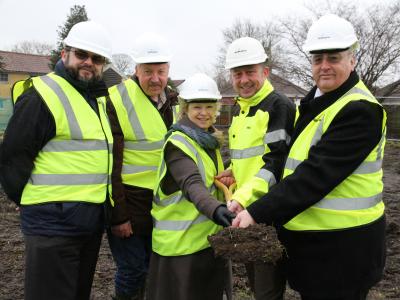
(332, 58)
(84, 55)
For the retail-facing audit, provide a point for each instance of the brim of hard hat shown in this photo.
(324, 47)
(84, 45)
(241, 63)
(200, 100)
(328, 51)
(151, 60)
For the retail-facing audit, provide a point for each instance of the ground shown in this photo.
(12, 249)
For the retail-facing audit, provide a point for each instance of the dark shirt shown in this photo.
(31, 126)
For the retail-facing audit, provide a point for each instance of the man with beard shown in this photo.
(145, 107)
(55, 164)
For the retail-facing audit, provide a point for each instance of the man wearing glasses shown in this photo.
(55, 162)
(329, 202)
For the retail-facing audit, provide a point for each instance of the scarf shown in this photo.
(202, 137)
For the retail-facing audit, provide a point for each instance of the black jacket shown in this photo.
(328, 262)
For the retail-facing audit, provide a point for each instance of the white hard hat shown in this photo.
(151, 48)
(244, 51)
(90, 36)
(199, 88)
(330, 32)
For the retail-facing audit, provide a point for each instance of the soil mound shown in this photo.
(255, 243)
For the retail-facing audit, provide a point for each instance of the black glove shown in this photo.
(222, 216)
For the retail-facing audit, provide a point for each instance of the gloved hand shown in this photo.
(223, 216)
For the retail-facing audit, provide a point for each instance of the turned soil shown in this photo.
(12, 248)
(243, 245)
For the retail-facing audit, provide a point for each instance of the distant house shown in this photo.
(17, 66)
(390, 98)
(112, 76)
(283, 86)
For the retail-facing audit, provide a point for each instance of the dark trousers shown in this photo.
(267, 281)
(131, 255)
(356, 295)
(60, 267)
(197, 276)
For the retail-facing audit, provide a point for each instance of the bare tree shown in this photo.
(377, 28)
(124, 63)
(267, 34)
(77, 13)
(32, 47)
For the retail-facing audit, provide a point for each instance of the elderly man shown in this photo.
(329, 201)
(145, 107)
(258, 143)
(55, 164)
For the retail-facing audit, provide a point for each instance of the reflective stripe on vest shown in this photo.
(76, 132)
(179, 228)
(76, 164)
(276, 136)
(355, 201)
(144, 132)
(270, 137)
(74, 145)
(68, 179)
(179, 225)
(267, 175)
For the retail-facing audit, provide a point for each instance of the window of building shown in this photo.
(3, 77)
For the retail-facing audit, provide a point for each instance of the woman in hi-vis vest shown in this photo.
(187, 207)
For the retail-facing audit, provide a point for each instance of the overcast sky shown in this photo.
(193, 28)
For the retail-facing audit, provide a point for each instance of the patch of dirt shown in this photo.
(12, 248)
(242, 245)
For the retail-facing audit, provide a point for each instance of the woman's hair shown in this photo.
(183, 108)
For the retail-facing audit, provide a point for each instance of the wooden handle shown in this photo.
(227, 191)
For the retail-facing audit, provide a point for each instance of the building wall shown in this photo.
(6, 106)
(393, 121)
(5, 87)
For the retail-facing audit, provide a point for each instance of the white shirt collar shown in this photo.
(318, 93)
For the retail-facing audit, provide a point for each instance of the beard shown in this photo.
(74, 71)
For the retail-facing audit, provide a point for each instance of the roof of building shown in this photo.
(280, 84)
(177, 82)
(24, 63)
(112, 76)
(390, 90)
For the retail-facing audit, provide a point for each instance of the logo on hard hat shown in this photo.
(239, 51)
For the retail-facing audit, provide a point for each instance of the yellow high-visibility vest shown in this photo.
(76, 164)
(248, 139)
(357, 200)
(179, 228)
(143, 130)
